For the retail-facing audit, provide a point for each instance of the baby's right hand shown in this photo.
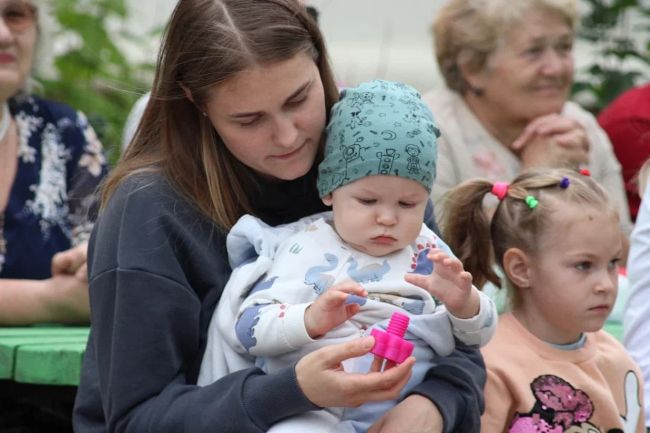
(330, 309)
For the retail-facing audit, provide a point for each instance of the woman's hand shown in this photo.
(553, 140)
(415, 414)
(71, 262)
(332, 308)
(65, 298)
(62, 298)
(65, 295)
(322, 379)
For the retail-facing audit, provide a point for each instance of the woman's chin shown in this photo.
(293, 174)
(288, 173)
(10, 84)
(550, 107)
(550, 102)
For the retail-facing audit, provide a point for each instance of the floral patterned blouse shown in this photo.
(52, 199)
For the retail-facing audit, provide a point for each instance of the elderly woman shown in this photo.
(50, 165)
(508, 67)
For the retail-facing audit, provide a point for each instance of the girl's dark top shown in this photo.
(60, 164)
(157, 269)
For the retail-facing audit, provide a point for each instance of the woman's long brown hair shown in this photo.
(207, 42)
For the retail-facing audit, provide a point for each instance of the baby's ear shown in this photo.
(327, 200)
(516, 265)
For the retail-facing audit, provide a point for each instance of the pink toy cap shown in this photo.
(390, 344)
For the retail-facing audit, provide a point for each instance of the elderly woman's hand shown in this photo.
(71, 262)
(322, 379)
(65, 298)
(415, 414)
(552, 140)
(65, 295)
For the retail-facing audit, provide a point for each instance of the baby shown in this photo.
(333, 276)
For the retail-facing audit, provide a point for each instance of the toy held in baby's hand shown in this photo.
(390, 344)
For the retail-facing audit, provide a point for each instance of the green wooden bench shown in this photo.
(44, 355)
(52, 355)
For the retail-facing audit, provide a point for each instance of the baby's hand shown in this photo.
(336, 305)
(449, 283)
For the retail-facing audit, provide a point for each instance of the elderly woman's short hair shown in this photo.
(467, 32)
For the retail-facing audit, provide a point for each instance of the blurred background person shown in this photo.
(508, 68)
(627, 123)
(50, 165)
(636, 328)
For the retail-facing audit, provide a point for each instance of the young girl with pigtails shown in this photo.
(551, 368)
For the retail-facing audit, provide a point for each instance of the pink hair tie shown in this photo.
(500, 189)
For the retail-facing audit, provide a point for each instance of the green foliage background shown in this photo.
(95, 76)
(620, 30)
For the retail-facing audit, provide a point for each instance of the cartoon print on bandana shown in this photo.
(353, 151)
(350, 154)
(561, 408)
(414, 133)
(386, 161)
(413, 165)
(412, 116)
(357, 120)
(360, 99)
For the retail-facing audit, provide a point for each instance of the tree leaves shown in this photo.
(620, 31)
(94, 74)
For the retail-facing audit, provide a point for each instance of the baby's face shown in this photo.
(378, 214)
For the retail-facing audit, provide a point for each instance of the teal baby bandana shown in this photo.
(379, 128)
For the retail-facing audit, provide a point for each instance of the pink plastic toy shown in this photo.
(390, 344)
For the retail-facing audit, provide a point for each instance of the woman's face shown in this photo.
(271, 117)
(18, 35)
(531, 72)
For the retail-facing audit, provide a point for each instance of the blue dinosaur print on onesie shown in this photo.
(317, 277)
(414, 307)
(368, 273)
(423, 265)
(263, 285)
(245, 324)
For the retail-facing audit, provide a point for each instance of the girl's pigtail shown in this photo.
(466, 229)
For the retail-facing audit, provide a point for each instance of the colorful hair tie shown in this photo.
(565, 182)
(585, 172)
(531, 201)
(500, 189)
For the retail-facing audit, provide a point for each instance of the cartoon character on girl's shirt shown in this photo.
(561, 408)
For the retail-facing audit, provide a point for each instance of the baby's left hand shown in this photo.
(449, 283)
